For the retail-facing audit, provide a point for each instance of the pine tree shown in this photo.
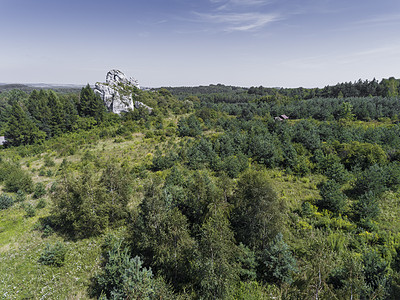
(123, 277)
(56, 121)
(161, 235)
(90, 104)
(332, 197)
(39, 110)
(21, 130)
(278, 263)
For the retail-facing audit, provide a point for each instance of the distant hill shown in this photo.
(29, 87)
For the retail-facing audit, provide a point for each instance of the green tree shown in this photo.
(257, 212)
(56, 121)
(6, 201)
(124, 277)
(39, 190)
(85, 206)
(390, 87)
(348, 279)
(189, 126)
(218, 266)
(117, 185)
(333, 198)
(70, 112)
(20, 128)
(377, 278)
(277, 262)
(90, 104)
(366, 209)
(362, 155)
(39, 109)
(18, 179)
(161, 235)
(347, 111)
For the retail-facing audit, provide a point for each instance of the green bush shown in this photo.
(47, 231)
(41, 204)
(333, 198)
(123, 277)
(29, 210)
(235, 164)
(48, 162)
(53, 255)
(18, 180)
(21, 196)
(190, 126)
(40, 190)
(6, 201)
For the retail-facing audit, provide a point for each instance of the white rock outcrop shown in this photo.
(117, 91)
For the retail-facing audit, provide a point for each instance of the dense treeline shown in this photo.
(31, 118)
(213, 93)
(363, 109)
(384, 88)
(230, 94)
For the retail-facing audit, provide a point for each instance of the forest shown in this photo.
(211, 196)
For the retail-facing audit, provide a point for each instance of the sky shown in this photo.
(273, 43)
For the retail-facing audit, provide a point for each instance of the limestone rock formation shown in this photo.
(117, 91)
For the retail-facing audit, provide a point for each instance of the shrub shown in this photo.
(40, 190)
(235, 164)
(6, 201)
(41, 204)
(45, 225)
(53, 187)
(163, 162)
(190, 126)
(85, 206)
(18, 180)
(48, 162)
(47, 231)
(29, 210)
(53, 255)
(123, 277)
(333, 198)
(21, 196)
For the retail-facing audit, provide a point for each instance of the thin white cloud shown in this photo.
(239, 21)
(242, 2)
(380, 20)
(232, 4)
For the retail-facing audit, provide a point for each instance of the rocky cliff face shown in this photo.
(117, 91)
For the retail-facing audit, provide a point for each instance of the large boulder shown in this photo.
(117, 91)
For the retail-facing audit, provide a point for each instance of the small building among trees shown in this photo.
(281, 118)
(2, 140)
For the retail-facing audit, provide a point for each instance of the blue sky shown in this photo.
(287, 43)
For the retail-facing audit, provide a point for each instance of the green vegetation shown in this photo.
(207, 197)
(53, 255)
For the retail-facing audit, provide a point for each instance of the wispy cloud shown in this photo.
(380, 20)
(232, 4)
(239, 21)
